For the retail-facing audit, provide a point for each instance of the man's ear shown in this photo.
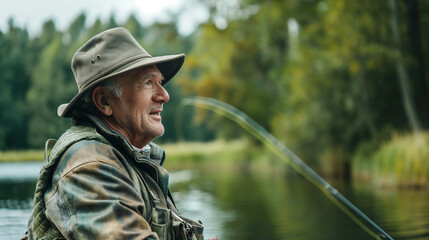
(100, 100)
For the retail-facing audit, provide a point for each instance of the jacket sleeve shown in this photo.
(97, 200)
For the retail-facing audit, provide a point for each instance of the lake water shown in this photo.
(241, 205)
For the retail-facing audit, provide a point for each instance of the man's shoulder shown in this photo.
(77, 133)
(86, 161)
(85, 154)
(90, 149)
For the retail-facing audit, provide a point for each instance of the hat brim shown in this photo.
(168, 65)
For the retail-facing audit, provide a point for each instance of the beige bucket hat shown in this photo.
(110, 53)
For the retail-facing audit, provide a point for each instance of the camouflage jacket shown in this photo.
(95, 185)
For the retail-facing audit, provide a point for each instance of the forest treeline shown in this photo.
(327, 77)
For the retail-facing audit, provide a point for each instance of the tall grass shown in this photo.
(401, 162)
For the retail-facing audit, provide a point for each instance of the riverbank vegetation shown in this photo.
(21, 156)
(214, 155)
(399, 162)
(331, 79)
(217, 155)
(403, 161)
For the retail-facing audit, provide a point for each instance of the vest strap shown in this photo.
(49, 144)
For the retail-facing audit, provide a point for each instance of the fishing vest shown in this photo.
(166, 222)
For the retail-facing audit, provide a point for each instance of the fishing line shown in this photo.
(284, 153)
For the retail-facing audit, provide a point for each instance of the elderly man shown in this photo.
(104, 177)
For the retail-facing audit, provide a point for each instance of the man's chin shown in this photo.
(154, 131)
(159, 131)
(161, 134)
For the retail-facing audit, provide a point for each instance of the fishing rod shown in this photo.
(274, 144)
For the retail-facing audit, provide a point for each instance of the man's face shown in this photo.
(137, 113)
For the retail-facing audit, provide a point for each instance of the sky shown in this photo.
(31, 14)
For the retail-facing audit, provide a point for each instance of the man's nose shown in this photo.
(161, 95)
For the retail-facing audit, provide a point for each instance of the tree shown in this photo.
(404, 81)
(413, 38)
(52, 84)
(14, 81)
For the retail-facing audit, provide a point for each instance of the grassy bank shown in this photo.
(217, 155)
(21, 156)
(402, 162)
(184, 155)
(179, 154)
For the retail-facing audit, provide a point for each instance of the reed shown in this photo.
(401, 162)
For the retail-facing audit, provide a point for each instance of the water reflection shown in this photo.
(15, 207)
(253, 206)
(13, 223)
(17, 184)
(277, 208)
(404, 213)
(242, 205)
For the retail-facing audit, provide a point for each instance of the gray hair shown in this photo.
(85, 102)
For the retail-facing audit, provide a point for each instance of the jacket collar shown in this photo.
(151, 152)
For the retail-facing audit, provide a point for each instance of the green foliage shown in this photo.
(238, 65)
(402, 161)
(14, 81)
(320, 75)
(338, 75)
(49, 74)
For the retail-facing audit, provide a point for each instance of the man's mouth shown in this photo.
(156, 112)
